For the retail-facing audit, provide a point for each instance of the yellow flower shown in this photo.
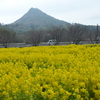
(82, 84)
(54, 84)
(77, 90)
(91, 99)
(98, 85)
(53, 72)
(8, 87)
(78, 97)
(15, 97)
(61, 90)
(50, 94)
(83, 90)
(27, 92)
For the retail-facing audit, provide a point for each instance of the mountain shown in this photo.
(34, 19)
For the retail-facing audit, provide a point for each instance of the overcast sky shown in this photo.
(73, 11)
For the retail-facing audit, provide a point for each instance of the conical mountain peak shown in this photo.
(34, 14)
(35, 18)
(33, 10)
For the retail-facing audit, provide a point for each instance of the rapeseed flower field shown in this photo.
(69, 72)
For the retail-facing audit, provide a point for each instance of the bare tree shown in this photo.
(97, 34)
(34, 37)
(56, 32)
(6, 37)
(77, 33)
(94, 34)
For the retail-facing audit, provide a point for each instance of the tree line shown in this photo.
(74, 33)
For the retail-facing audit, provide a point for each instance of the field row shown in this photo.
(69, 72)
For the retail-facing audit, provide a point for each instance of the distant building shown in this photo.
(52, 42)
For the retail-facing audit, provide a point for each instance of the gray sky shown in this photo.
(73, 11)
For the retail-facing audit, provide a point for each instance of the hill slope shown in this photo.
(35, 18)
